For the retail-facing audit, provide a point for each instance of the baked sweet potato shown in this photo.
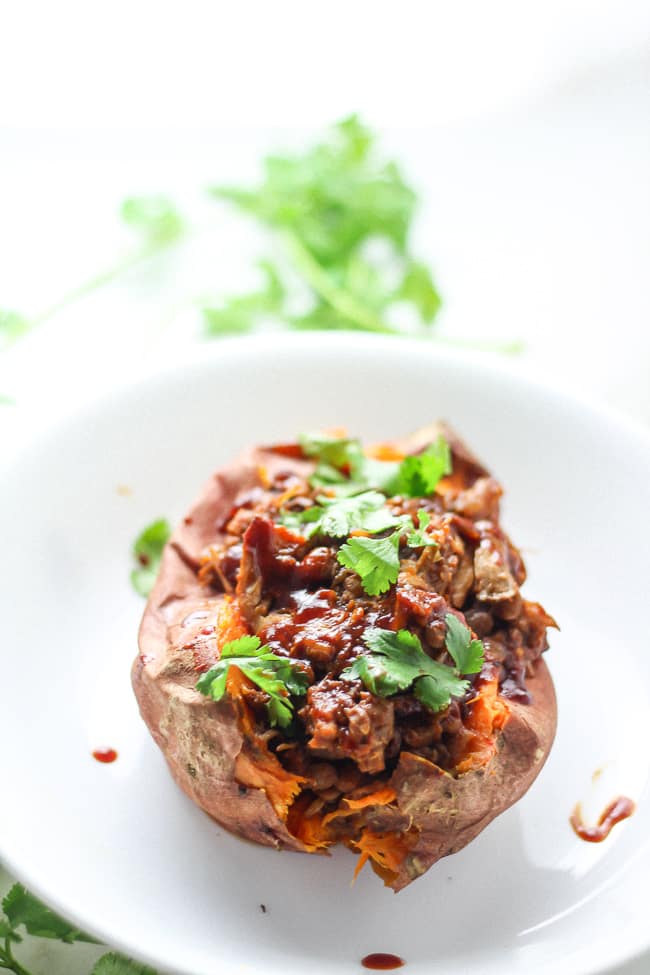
(402, 772)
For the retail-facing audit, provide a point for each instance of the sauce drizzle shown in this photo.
(105, 755)
(618, 810)
(381, 961)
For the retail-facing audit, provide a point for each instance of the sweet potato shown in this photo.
(415, 810)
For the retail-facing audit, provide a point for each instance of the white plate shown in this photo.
(121, 851)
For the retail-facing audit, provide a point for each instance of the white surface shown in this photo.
(198, 63)
(536, 222)
(525, 126)
(120, 850)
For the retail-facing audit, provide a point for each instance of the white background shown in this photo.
(525, 127)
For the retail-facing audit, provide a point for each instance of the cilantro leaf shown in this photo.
(375, 560)
(147, 551)
(343, 465)
(419, 538)
(303, 522)
(397, 662)
(114, 964)
(339, 452)
(339, 516)
(361, 512)
(466, 652)
(155, 217)
(12, 326)
(22, 908)
(244, 646)
(241, 313)
(279, 677)
(419, 474)
(437, 692)
(417, 286)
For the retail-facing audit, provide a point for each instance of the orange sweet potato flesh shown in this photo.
(219, 762)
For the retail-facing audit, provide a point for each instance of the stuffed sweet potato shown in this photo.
(337, 650)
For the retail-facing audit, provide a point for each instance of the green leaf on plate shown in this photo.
(22, 908)
(114, 964)
(147, 552)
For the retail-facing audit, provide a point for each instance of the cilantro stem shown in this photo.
(341, 300)
(102, 279)
(9, 963)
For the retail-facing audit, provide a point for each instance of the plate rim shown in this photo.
(33, 427)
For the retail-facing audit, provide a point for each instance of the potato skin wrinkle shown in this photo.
(399, 784)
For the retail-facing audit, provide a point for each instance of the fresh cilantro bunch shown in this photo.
(20, 909)
(396, 662)
(331, 208)
(279, 677)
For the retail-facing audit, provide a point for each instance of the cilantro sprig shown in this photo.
(278, 676)
(396, 662)
(465, 650)
(418, 538)
(339, 516)
(328, 209)
(157, 224)
(358, 486)
(343, 467)
(20, 909)
(147, 553)
(419, 474)
(376, 560)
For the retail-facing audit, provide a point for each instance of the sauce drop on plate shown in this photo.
(105, 755)
(621, 808)
(381, 961)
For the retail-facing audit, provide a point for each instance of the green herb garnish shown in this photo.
(344, 468)
(12, 326)
(114, 964)
(158, 224)
(419, 474)
(147, 552)
(20, 909)
(279, 677)
(466, 651)
(375, 560)
(419, 538)
(340, 516)
(156, 218)
(342, 217)
(397, 662)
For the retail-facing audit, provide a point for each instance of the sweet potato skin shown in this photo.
(450, 811)
(200, 739)
(206, 751)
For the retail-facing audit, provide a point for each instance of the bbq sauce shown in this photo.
(381, 961)
(618, 810)
(105, 755)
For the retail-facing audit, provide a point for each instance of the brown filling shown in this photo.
(329, 780)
